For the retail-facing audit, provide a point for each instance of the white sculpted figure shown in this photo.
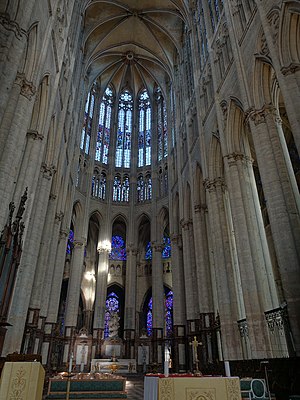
(113, 325)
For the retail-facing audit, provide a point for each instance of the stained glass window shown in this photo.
(70, 243)
(148, 251)
(87, 122)
(112, 306)
(117, 189)
(118, 250)
(103, 134)
(166, 252)
(123, 144)
(140, 189)
(125, 189)
(148, 188)
(149, 318)
(162, 126)
(144, 140)
(168, 315)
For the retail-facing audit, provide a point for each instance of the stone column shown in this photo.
(50, 307)
(282, 205)
(228, 302)
(100, 298)
(14, 21)
(73, 296)
(202, 259)
(189, 275)
(27, 270)
(158, 304)
(130, 302)
(254, 261)
(19, 111)
(179, 308)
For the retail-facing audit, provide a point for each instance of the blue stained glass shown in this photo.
(112, 306)
(70, 243)
(148, 252)
(149, 323)
(166, 253)
(144, 140)
(123, 143)
(168, 315)
(118, 250)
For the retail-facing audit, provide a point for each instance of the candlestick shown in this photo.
(71, 363)
(227, 368)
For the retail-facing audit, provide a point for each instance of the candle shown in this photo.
(227, 368)
(71, 362)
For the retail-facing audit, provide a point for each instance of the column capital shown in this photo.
(259, 116)
(176, 240)
(212, 184)
(103, 250)
(200, 207)
(157, 246)
(78, 244)
(48, 171)
(233, 158)
(63, 234)
(34, 135)
(58, 217)
(186, 224)
(27, 89)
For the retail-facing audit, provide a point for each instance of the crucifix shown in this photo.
(195, 345)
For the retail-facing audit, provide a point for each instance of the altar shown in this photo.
(121, 366)
(191, 387)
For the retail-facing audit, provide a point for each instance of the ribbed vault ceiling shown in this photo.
(133, 43)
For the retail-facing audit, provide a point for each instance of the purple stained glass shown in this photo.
(169, 313)
(112, 306)
(149, 318)
(118, 250)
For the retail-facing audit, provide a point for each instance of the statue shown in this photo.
(113, 325)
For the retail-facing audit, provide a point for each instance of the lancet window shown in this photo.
(87, 123)
(168, 315)
(124, 131)
(202, 34)
(162, 131)
(112, 306)
(104, 126)
(144, 139)
(99, 185)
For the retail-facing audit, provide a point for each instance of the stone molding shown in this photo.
(290, 69)
(34, 135)
(11, 25)
(28, 89)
